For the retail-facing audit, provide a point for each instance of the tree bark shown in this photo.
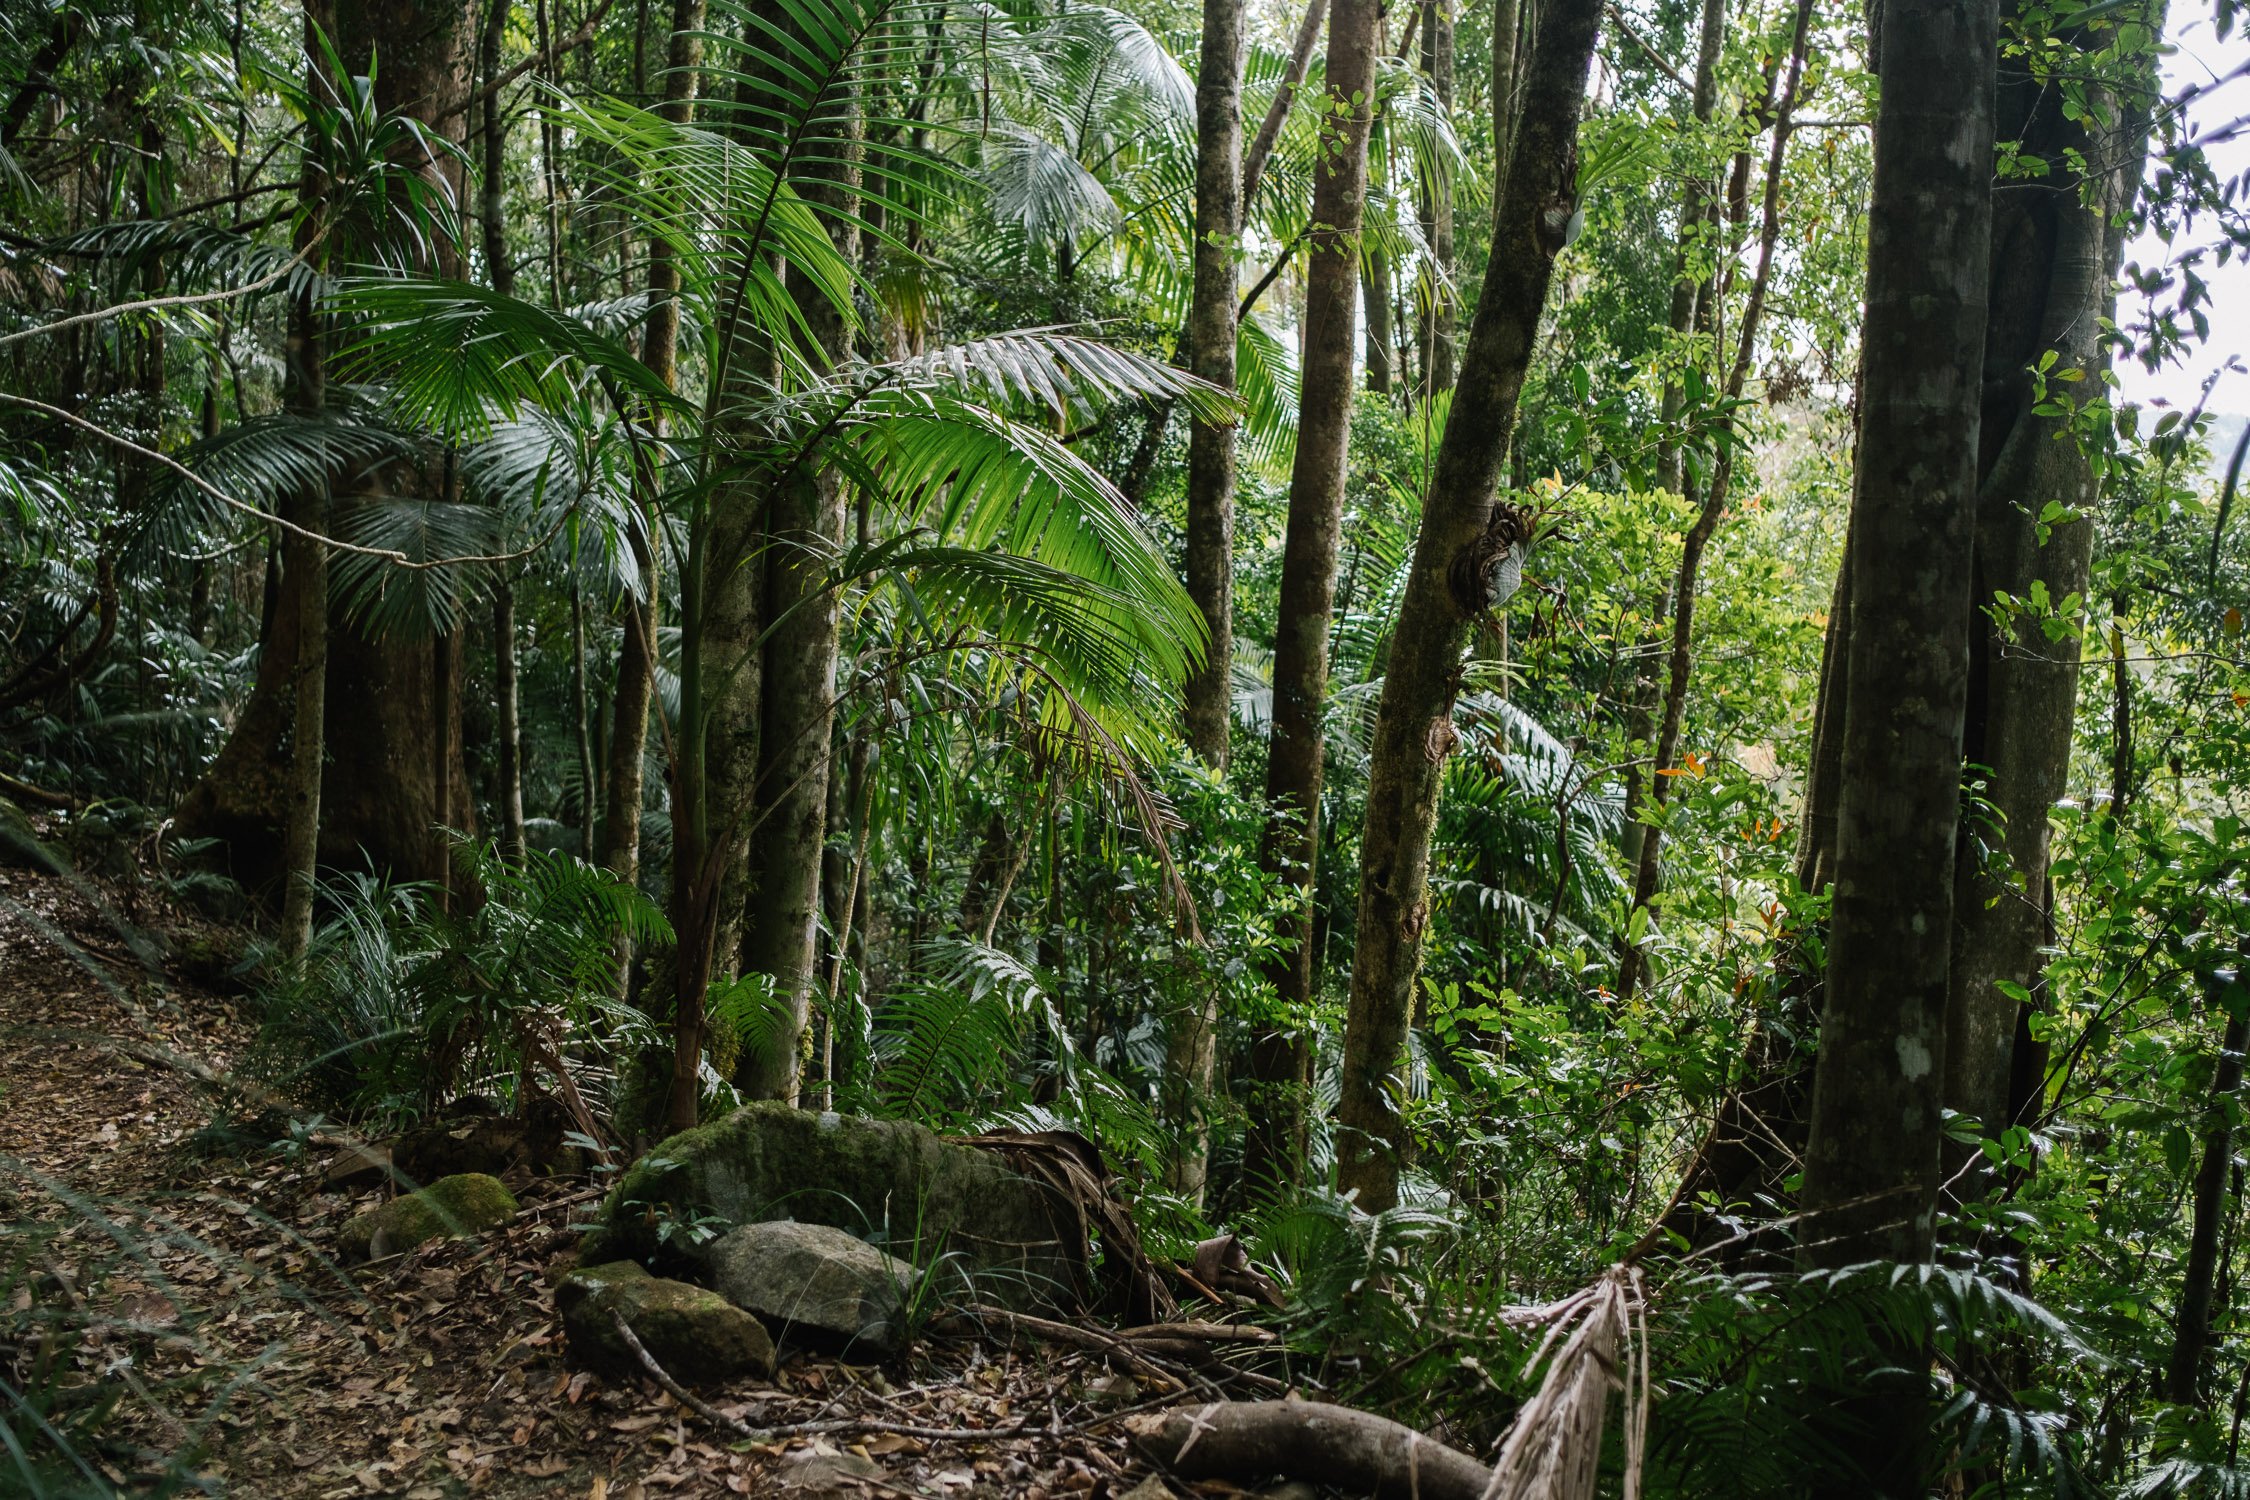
(1871, 1167)
(1211, 334)
(386, 794)
(511, 726)
(383, 792)
(1438, 314)
(1375, 296)
(1444, 596)
(305, 571)
(1355, 1451)
(1308, 569)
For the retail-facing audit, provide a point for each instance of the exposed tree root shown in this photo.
(1354, 1451)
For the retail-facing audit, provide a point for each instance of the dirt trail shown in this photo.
(199, 1297)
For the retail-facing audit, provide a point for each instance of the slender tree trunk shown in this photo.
(493, 196)
(1870, 1177)
(1445, 593)
(1211, 334)
(624, 790)
(1436, 312)
(304, 564)
(798, 682)
(2120, 712)
(2192, 1330)
(511, 729)
(1507, 37)
(1281, 1065)
(1269, 129)
(1191, 1053)
(1681, 664)
(1375, 296)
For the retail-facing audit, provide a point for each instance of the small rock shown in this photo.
(459, 1205)
(696, 1335)
(814, 1278)
(1151, 1488)
(1288, 1489)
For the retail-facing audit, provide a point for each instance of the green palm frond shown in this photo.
(981, 483)
(544, 470)
(455, 357)
(1043, 190)
(259, 461)
(1265, 373)
(194, 256)
(1060, 371)
(727, 209)
(388, 600)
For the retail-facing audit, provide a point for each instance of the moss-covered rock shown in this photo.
(696, 1335)
(465, 1204)
(892, 1183)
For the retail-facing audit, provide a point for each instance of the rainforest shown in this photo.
(1153, 750)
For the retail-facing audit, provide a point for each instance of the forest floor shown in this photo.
(202, 1295)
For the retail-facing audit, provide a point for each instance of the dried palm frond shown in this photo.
(1554, 1449)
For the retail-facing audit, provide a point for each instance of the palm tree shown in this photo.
(1003, 539)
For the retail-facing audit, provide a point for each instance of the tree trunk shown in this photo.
(1871, 1170)
(1269, 129)
(2050, 290)
(511, 727)
(798, 683)
(1681, 664)
(1437, 313)
(493, 188)
(1507, 36)
(1308, 569)
(1870, 1177)
(305, 573)
(1211, 334)
(1375, 296)
(1191, 1057)
(386, 794)
(619, 850)
(383, 792)
(1445, 595)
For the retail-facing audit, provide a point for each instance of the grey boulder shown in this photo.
(815, 1278)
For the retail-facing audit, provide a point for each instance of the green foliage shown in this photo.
(401, 1002)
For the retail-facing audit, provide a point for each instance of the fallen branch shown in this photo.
(1095, 1340)
(1354, 1451)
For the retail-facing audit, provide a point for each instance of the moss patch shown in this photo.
(464, 1204)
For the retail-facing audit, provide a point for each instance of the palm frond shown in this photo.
(455, 357)
(388, 600)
